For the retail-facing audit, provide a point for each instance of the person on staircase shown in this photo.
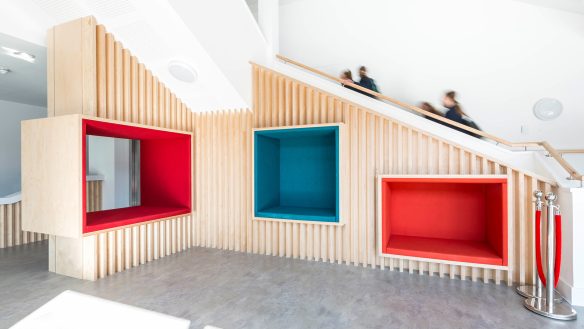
(346, 79)
(431, 109)
(456, 114)
(367, 82)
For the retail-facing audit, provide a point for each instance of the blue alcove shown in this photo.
(296, 173)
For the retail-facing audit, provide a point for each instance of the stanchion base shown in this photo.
(560, 311)
(532, 292)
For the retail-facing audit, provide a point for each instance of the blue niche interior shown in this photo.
(296, 174)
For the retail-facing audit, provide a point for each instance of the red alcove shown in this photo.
(450, 218)
(165, 175)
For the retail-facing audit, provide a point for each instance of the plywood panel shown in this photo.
(11, 232)
(52, 176)
(72, 67)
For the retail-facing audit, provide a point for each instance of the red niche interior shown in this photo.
(165, 175)
(453, 219)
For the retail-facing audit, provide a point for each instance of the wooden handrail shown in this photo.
(574, 175)
(571, 151)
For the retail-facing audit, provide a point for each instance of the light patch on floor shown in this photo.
(73, 310)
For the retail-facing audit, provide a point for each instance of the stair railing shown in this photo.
(552, 152)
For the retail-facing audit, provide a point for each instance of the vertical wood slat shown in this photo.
(110, 76)
(11, 233)
(3, 226)
(101, 71)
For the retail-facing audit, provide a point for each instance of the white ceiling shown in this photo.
(231, 37)
(27, 82)
(152, 30)
(210, 36)
(576, 6)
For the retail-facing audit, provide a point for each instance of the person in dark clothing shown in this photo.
(347, 78)
(366, 81)
(455, 113)
(429, 108)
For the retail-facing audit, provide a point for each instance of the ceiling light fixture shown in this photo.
(182, 71)
(547, 109)
(4, 70)
(19, 54)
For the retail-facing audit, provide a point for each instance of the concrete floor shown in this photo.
(236, 290)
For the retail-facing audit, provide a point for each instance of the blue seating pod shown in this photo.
(296, 173)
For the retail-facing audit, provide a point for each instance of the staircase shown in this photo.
(536, 158)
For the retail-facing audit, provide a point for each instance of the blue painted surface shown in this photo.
(267, 172)
(297, 173)
(299, 213)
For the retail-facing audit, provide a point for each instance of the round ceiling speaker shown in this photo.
(182, 71)
(547, 109)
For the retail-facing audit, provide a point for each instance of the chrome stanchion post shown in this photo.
(549, 306)
(536, 290)
(551, 248)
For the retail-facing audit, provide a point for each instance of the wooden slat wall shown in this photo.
(377, 145)
(119, 250)
(11, 233)
(94, 198)
(127, 91)
(222, 216)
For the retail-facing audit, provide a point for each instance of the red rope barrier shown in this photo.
(558, 262)
(558, 251)
(538, 246)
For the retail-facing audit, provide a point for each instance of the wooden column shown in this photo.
(71, 89)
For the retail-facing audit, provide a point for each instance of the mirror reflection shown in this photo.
(113, 172)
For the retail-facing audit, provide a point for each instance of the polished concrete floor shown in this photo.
(235, 290)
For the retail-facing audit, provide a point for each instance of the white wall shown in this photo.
(571, 284)
(500, 55)
(101, 160)
(122, 171)
(11, 114)
(109, 157)
(576, 160)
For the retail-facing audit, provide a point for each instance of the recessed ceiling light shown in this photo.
(182, 71)
(19, 54)
(547, 109)
(4, 70)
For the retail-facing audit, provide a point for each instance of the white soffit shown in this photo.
(151, 30)
(229, 33)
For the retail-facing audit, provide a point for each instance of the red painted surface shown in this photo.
(538, 259)
(165, 175)
(445, 249)
(558, 251)
(558, 258)
(165, 166)
(452, 219)
(101, 220)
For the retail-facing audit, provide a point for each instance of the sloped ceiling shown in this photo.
(231, 37)
(152, 30)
